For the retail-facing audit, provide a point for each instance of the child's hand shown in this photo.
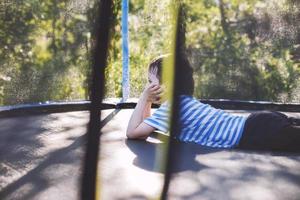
(153, 93)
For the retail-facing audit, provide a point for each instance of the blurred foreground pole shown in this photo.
(173, 147)
(89, 189)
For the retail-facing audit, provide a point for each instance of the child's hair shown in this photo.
(187, 76)
(157, 64)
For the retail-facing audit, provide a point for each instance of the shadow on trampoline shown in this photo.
(149, 155)
(241, 175)
(222, 174)
(38, 152)
(37, 177)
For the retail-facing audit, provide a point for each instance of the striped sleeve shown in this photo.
(160, 118)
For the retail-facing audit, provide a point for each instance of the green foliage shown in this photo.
(236, 50)
(148, 33)
(239, 49)
(46, 43)
(233, 54)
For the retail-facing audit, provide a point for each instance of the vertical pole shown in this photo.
(125, 52)
(175, 124)
(89, 189)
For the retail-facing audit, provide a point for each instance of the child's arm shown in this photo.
(137, 129)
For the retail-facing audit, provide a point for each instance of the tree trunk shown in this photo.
(224, 23)
(55, 13)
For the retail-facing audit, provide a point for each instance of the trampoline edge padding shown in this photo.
(58, 107)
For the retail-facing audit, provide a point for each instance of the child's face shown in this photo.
(152, 76)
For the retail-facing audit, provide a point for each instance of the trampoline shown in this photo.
(41, 158)
(43, 153)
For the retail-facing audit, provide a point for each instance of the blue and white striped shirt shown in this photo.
(201, 123)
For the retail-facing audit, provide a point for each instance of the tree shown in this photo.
(45, 54)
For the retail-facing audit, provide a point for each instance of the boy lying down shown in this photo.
(208, 126)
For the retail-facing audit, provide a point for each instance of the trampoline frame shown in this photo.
(58, 107)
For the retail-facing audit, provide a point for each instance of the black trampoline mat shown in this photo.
(41, 157)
